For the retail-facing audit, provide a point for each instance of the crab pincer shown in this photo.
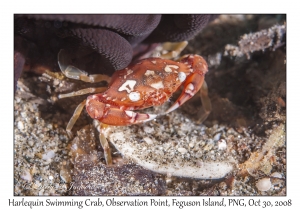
(193, 83)
(98, 108)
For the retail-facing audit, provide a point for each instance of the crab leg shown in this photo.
(74, 118)
(82, 92)
(206, 104)
(75, 73)
(103, 141)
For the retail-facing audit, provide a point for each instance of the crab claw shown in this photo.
(194, 81)
(114, 116)
(191, 87)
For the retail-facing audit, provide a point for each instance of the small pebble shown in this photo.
(30, 143)
(65, 175)
(169, 178)
(185, 127)
(26, 176)
(148, 140)
(182, 150)
(222, 145)
(50, 126)
(148, 129)
(21, 125)
(217, 137)
(41, 192)
(50, 154)
(191, 145)
(276, 175)
(264, 184)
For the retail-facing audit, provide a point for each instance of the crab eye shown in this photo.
(134, 96)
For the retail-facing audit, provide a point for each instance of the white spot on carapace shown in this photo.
(154, 62)
(134, 96)
(123, 99)
(149, 72)
(128, 86)
(189, 89)
(129, 72)
(157, 85)
(168, 68)
(181, 76)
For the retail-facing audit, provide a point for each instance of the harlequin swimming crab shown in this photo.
(150, 82)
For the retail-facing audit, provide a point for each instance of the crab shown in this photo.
(149, 82)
